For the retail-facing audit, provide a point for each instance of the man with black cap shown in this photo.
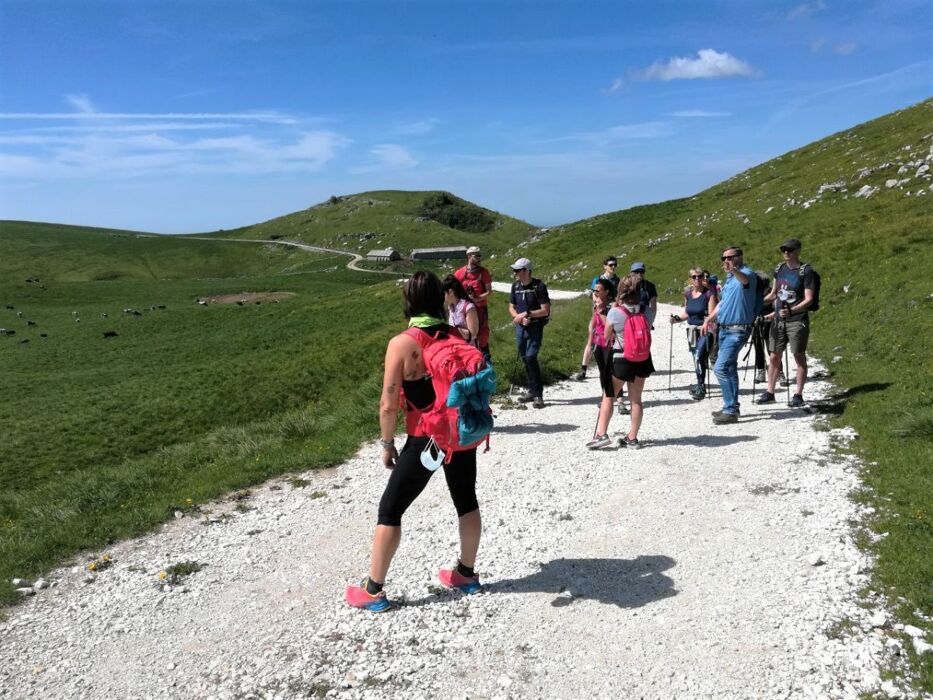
(649, 293)
(477, 282)
(530, 309)
(793, 294)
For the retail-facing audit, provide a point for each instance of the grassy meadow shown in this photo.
(109, 436)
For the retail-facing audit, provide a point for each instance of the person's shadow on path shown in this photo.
(627, 583)
(703, 440)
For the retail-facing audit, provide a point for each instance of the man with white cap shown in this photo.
(477, 282)
(530, 309)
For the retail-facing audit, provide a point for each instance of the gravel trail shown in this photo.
(709, 564)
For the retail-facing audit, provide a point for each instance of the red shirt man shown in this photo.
(477, 282)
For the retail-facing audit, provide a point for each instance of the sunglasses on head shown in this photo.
(729, 257)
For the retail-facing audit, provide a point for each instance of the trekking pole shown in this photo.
(670, 357)
(786, 360)
(756, 336)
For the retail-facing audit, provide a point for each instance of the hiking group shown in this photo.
(439, 373)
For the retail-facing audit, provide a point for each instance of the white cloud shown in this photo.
(615, 87)
(615, 134)
(81, 103)
(708, 64)
(817, 45)
(387, 156)
(262, 117)
(102, 154)
(697, 113)
(805, 10)
(845, 48)
(425, 126)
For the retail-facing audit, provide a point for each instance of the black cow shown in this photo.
(110, 334)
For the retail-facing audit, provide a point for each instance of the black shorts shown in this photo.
(628, 371)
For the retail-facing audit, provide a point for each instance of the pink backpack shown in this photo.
(636, 337)
(460, 418)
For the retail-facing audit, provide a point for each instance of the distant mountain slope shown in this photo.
(861, 192)
(404, 220)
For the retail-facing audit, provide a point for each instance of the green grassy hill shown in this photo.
(404, 220)
(861, 202)
(108, 436)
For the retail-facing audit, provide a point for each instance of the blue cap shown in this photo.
(637, 267)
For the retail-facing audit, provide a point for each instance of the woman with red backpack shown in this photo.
(406, 384)
(628, 331)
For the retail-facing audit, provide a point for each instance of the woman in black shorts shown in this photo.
(405, 385)
(603, 354)
(632, 373)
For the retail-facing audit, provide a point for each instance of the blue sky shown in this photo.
(198, 115)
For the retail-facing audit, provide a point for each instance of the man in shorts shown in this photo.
(792, 293)
(477, 282)
(530, 309)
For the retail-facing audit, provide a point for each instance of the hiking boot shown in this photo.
(629, 443)
(538, 402)
(579, 376)
(723, 418)
(796, 402)
(766, 397)
(451, 578)
(525, 398)
(760, 376)
(359, 597)
(599, 442)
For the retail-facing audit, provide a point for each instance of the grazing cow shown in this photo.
(201, 302)
(30, 323)
(43, 335)
(4, 331)
(134, 312)
(24, 341)
(103, 315)
(110, 334)
(74, 313)
(239, 303)
(161, 306)
(77, 320)
(11, 307)
(19, 314)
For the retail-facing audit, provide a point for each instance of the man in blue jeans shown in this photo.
(735, 315)
(530, 308)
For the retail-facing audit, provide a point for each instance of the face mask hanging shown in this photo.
(432, 456)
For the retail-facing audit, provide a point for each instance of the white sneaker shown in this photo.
(599, 442)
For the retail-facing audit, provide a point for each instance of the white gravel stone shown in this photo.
(681, 563)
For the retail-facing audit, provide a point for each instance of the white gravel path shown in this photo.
(684, 569)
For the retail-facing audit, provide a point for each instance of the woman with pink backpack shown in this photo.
(629, 333)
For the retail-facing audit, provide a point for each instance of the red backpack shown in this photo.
(636, 337)
(460, 418)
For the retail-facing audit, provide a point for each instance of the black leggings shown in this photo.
(603, 357)
(409, 477)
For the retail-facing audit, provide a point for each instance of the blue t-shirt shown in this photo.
(738, 302)
(696, 308)
(792, 285)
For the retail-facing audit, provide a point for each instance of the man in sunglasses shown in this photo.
(530, 309)
(793, 293)
(647, 291)
(735, 316)
(609, 275)
(477, 282)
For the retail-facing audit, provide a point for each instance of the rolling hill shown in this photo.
(860, 201)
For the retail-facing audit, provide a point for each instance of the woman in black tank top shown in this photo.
(405, 377)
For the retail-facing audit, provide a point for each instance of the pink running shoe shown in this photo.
(359, 597)
(451, 578)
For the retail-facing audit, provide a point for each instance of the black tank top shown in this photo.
(420, 392)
